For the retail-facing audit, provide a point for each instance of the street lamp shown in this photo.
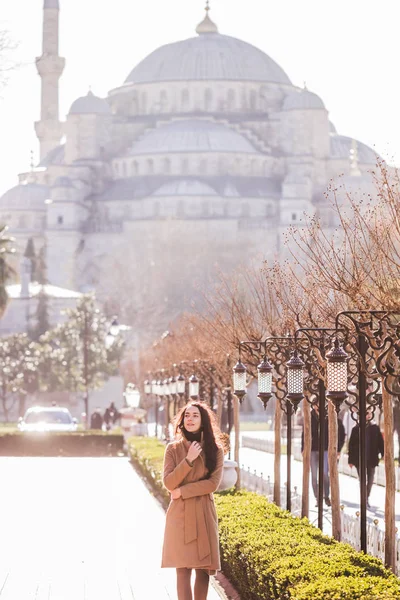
(295, 380)
(193, 387)
(336, 368)
(147, 387)
(265, 381)
(239, 380)
(180, 387)
(132, 395)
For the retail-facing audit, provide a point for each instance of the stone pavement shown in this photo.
(80, 529)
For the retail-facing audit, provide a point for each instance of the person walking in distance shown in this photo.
(315, 452)
(374, 447)
(193, 466)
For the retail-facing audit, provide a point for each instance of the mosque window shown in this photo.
(226, 209)
(231, 100)
(22, 222)
(266, 169)
(253, 100)
(60, 220)
(203, 167)
(185, 99)
(167, 166)
(163, 100)
(150, 166)
(135, 168)
(222, 170)
(208, 98)
(156, 208)
(185, 166)
(205, 208)
(124, 169)
(294, 217)
(268, 210)
(253, 167)
(245, 210)
(180, 209)
(116, 168)
(144, 102)
(238, 166)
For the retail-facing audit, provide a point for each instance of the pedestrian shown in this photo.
(96, 420)
(111, 416)
(315, 452)
(374, 450)
(193, 466)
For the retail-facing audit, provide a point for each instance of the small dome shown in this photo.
(31, 196)
(192, 135)
(51, 4)
(185, 187)
(90, 105)
(303, 100)
(54, 157)
(207, 57)
(341, 146)
(332, 128)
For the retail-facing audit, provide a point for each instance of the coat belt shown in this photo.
(195, 525)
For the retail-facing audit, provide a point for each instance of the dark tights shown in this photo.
(200, 584)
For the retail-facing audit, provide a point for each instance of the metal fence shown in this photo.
(253, 482)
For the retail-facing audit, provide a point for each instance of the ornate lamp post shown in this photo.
(264, 370)
(180, 387)
(336, 375)
(193, 387)
(239, 380)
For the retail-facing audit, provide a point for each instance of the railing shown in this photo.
(265, 445)
(256, 483)
(375, 538)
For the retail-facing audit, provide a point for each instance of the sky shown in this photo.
(346, 51)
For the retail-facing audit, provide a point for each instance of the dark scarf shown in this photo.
(192, 437)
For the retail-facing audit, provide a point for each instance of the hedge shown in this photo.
(76, 443)
(268, 554)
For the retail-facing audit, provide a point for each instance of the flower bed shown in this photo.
(268, 554)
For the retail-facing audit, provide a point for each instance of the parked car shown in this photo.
(47, 418)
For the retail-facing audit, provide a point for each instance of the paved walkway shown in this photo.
(80, 529)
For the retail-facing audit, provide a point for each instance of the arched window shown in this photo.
(253, 100)
(185, 99)
(127, 211)
(203, 166)
(237, 166)
(180, 209)
(150, 166)
(253, 167)
(266, 169)
(163, 100)
(124, 169)
(268, 210)
(22, 222)
(167, 166)
(226, 209)
(156, 209)
(231, 100)
(185, 166)
(135, 168)
(116, 168)
(208, 99)
(60, 220)
(245, 210)
(144, 102)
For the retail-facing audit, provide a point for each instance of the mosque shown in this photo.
(199, 161)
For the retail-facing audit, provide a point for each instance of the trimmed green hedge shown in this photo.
(76, 443)
(268, 554)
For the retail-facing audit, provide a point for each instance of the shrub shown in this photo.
(268, 554)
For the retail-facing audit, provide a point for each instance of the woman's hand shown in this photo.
(193, 451)
(175, 494)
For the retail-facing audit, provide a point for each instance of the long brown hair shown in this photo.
(210, 429)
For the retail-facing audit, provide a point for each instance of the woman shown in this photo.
(193, 466)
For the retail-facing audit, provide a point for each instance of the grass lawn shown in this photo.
(254, 426)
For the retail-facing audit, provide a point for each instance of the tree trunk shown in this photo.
(305, 499)
(220, 404)
(236, 422)
(390, 523)
(277, 453)
(333, 471)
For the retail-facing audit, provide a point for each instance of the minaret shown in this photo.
(50, 67)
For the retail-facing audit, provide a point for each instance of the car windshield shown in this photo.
(58, 417)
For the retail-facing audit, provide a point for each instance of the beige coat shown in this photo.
(191, 529)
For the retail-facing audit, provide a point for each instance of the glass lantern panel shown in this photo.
(295, 381)
(180, 385)
(147, 388)
(172, 387)
(265, 383)
(194, 388)
(337, 376)
(239, 382)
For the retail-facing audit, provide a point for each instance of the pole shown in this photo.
(362, 420)
(86, 366)
(229, 408)
(321, 451)
(289, 456)
(156, 414)
(166, 407)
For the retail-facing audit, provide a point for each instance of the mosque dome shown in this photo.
(185, 187)
(192, 135)
(210, 56)
(303, 100)
(30, 196)
(341, 146)
(90, 104)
